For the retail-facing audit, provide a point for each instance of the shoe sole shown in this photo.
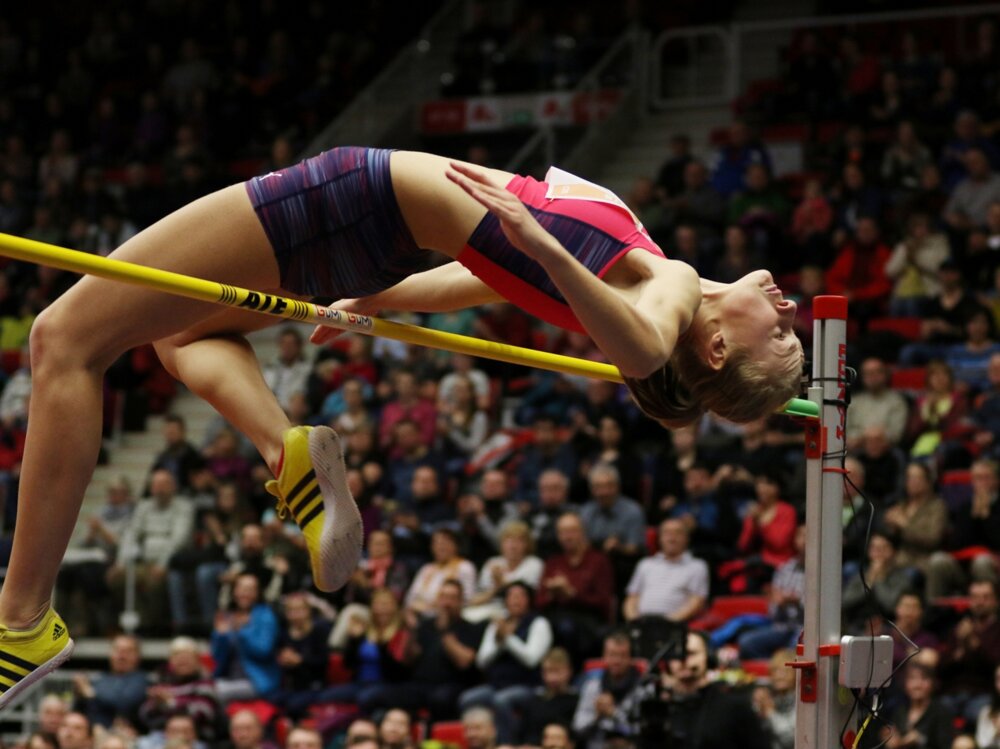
(31, 680)
(342, 535)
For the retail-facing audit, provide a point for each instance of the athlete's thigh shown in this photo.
(217, 237)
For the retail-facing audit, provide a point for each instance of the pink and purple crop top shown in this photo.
(597, 232)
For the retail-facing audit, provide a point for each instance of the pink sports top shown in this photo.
(588, 220)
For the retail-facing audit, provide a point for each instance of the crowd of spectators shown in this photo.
(521, 525)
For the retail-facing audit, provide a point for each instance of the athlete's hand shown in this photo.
(519, 226)
(362, 306)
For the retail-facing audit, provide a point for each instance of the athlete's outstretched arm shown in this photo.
(448, 287)
(630, 338)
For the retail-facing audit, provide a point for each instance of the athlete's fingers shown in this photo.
(322, 334)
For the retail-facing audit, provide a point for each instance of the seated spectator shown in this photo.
(375, 651)
(84, 569)
(775, 701)
(913, 267)
(51, 710)
(968, 136)
(919, 519)
(670, 583)
(854, 198)
(462, 366)
(247, 732)
(876, 404)
(184, 687)
(480, 728)
(225, 459)
(301, 737)
(938, 413)
(904, 161)
(884, 577)
(923, 720)
(204, 561)
(759, 208)
(785, 609)
(395, 731)
(553, 503)
(971, 652)
(613, 448)
(516, 563)
(972, 196)
(732, 159)
(614, 522)
(446, 565)
(407, 405)
(380, 568)
(363, 729)
(546, 452)
(302, 654)
(556, 736)
(890, 103)
(670, 176)
(769, 524)
(988, 720)
(908, 628)
(984, 416)
(253, 560)
(442, 654)
(553, 702)
(180, 731)
(858, 270)
(287, 375)
(973, 527)
(427, 496)
(576, 592)
(968, 360)
(160, 526)
(698, 204)
(597, 714)
(499, 508)
(737, 258)
(346, 409)
(462, 424)
(75, 732)
(178, 456)
(812, 222)
(643, 201)
(944, 319)
(244, 640)
(882, 462)
(509, 655)
(410, 453)
(118, 693)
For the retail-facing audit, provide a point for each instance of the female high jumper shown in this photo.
(354, 224)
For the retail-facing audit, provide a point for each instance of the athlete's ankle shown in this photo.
(21, 618)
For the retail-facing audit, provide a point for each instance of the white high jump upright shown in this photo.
(822, 705)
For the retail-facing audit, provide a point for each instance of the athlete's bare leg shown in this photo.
(80, 335)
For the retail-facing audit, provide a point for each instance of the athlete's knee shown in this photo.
(59, 343)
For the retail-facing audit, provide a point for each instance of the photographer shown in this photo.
(686, 708)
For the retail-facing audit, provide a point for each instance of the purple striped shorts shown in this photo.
(335, 226)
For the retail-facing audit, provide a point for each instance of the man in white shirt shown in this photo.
(877, 404)
(671, 583)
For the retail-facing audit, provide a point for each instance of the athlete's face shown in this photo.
(756, 315)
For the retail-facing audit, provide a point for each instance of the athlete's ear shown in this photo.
(715, 351)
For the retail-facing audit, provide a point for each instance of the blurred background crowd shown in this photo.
(527, 534)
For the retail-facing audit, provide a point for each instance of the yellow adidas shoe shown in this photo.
(26, 656)
(312, 488)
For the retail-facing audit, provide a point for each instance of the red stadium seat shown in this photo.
(907, 327)
(909, 378)
(958, 604)
(596, 664)
(652, 539)
(336, 671)
(760, 667)
(449, 732)
(724, 608)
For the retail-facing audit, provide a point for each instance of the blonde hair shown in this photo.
(519, 529)
(743, 390)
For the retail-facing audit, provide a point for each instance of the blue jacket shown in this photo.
(254, 644)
